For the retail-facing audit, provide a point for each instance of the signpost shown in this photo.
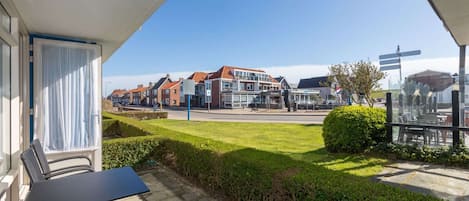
(188, 87)
(393, 61)
(208, 93)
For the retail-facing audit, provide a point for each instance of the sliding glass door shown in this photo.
(67, 102)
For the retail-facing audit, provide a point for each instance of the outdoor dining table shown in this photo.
(96, 186)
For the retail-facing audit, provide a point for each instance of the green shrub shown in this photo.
(132, 151)
(440, 155)
(143, 115)
(352, 129)
(250, 174)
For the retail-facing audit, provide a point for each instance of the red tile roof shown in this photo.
(136, 90)
(118, 92)
(198, 77)
(170, 85)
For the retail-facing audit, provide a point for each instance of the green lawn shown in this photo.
(301, 142)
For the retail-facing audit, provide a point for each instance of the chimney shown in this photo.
(150, 84)
(167, 75)
(181, 79)
(140, 86)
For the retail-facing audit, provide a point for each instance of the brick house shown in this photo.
(236, 87)
(197, 100)
(171, 92)
(156, 90)
(138, 95)
(118, 96)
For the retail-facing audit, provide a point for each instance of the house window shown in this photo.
(166, 91)
(174, 102)
(174, 91)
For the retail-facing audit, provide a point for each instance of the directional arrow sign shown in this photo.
(390, 61)
(391, 67)
(400, 54)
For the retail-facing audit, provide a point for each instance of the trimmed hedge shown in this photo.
(441, 155)
(242, 173)
(352, 129)
(133, 151)
(143, 115)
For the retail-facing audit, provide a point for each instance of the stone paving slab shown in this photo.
(448, 183)
(167, 185)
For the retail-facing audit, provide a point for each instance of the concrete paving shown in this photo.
(448, 183)
(167, 185)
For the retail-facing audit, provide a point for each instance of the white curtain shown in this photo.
(68, 95)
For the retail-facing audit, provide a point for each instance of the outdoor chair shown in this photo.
(32, 166)
(44, 163)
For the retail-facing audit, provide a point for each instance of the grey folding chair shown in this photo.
(32, 166)
(44, 163)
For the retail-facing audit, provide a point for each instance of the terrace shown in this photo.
(50, 48)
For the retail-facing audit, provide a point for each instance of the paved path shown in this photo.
(167, 185)
(444, 182)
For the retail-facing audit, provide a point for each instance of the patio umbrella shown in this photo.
(437, 81)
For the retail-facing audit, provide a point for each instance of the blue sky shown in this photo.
(202, 35)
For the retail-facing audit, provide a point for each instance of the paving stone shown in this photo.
(167, 185)
(440, 181)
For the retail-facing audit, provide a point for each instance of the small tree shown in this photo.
(359, 78)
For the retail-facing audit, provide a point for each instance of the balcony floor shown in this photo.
(167, 185)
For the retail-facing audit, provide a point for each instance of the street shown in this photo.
(301, 118)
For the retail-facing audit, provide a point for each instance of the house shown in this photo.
(197, 100)
(119, 97)
(236, 87)
(156, 90)
(52, 56)
(284, 85)
(138, 95)
(171, 93)
(318, 83)
(293, 97)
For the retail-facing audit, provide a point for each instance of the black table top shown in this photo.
(97, 186)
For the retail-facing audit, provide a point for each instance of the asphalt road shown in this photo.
(302, 119)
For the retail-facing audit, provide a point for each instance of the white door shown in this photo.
(67, 95)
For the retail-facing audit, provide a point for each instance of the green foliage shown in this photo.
(250, 174)
(441, 155)
(352, 129)
(143, 115)
(242, 173)
(133, 151)
(361, 77)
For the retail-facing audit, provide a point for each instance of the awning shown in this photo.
(107, 22)
(437, 81)
(455, 16)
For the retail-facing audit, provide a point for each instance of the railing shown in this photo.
(455, 126)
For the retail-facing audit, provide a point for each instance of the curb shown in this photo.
(259, 114)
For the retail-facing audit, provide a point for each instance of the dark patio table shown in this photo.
(97, 186)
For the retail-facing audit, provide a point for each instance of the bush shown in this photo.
(441, 155)
(142, 115)
(133, 151)
(352, 129)
(250, 174)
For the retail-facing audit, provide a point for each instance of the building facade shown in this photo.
(156, 90)
(171, 93)
(236, 87)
